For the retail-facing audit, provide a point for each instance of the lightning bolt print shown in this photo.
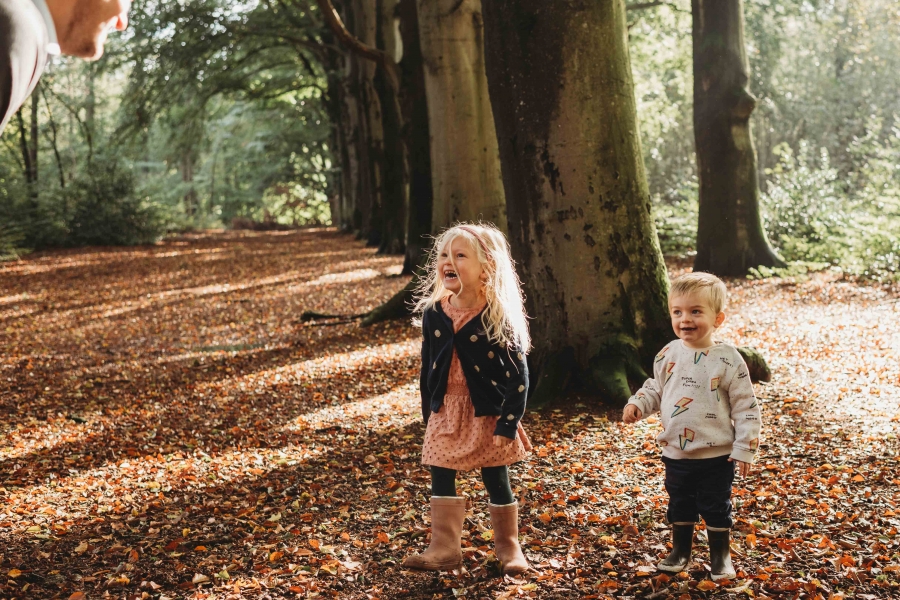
(714, 387)
(687, 437)
(698, 356)
(681, 406)
(662, 354)
(669, 369)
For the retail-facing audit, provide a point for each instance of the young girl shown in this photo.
(474, 382)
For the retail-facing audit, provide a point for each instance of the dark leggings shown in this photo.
(496, 482)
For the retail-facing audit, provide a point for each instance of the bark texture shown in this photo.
(368, 134)
(393, 165)
(465, 162)
(417, 139)
(730, 236)
(579, 209)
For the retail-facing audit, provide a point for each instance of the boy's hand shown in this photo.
(743, 468)
(632, 414)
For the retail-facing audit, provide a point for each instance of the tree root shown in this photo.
(756, 364)
(397, 307)
(309, 315)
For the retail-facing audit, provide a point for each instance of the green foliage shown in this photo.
(106, 209)
(805, 211)
(815, 216)
(100, 207)
(676, 220)
(821, 71)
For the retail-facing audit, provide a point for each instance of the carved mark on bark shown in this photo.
(551, 172)
(617, 256)
(566, 214)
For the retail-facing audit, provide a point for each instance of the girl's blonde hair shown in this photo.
(504, 319)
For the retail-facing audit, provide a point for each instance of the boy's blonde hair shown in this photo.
(704, 284)
(504, 319)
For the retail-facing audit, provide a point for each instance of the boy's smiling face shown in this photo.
(694, 320)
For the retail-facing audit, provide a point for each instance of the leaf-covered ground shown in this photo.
(171, 429)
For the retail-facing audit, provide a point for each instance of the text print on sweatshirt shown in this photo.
(705, 400)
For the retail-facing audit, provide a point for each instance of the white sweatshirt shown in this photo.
(706, 402)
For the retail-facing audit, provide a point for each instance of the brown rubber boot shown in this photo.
(444, 553)
(682, 542)
(505, 520)
(720, 553)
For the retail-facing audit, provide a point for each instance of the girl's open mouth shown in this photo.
(449, 274)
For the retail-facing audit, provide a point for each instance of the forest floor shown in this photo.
(171, 429)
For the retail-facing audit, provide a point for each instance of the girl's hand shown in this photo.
(632, 414)
(500, 440)
(743, 468)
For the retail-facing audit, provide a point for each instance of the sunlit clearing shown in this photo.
(334, 363)
(398, 407)
(81, 494)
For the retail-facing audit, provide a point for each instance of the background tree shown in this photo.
(579, 211)
(730, 235)
(465, 160)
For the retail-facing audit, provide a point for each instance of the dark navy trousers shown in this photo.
(700, 487)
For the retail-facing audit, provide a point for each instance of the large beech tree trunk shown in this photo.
(369, 134)
(730, 236)
(578, 202)
(416, 135)
(465, 162)
(393, 166)
(342, 198)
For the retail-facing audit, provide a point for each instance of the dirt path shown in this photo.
(171, 428)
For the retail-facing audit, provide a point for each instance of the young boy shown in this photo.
(710, 417)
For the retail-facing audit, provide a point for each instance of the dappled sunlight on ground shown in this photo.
(171, 426)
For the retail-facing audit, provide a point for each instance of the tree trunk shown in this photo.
(346, 125)
(393, 166)
(416, 137)
(579, 207)
(730, 236)
(23, 146)
(33, 149)
(187, 176)
(465, 162)
(53, 137)
(368, 134)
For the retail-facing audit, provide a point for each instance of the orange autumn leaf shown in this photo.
(275, 556)
(706, 585)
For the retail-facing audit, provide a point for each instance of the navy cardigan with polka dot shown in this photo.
(497, 377)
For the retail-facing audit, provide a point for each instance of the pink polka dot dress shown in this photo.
(455, 438)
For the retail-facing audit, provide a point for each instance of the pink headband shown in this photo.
(477, 237)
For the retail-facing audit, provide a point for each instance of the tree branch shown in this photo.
(383, 59)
